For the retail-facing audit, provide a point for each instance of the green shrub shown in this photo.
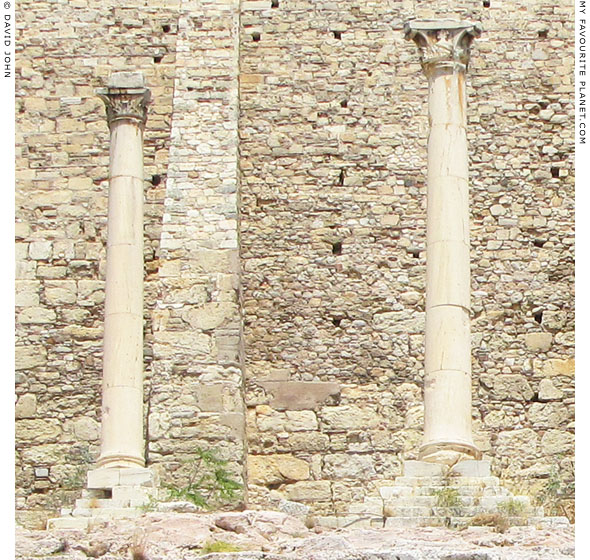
(447, 498)
(219, 546)
(209, 483)
(512, 508)
(557, 496)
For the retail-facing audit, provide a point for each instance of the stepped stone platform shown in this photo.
(431, 495)
(427, 495)
(112, 493)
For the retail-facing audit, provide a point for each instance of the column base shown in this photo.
(448, 452)
(468, 467)
(120, 461)
(104, 478)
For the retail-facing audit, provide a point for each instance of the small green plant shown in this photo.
(219, 546)
(512, 508)
(209, 483)
(557, 496)
(496, 520)
(151, 505)
(447, 498)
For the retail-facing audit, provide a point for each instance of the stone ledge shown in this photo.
(108, 478)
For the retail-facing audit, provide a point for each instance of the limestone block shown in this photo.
(415, 417)
(21, 230)
(211, 315)
(49, 454)
(548, 391)
(26, 406)
(83, 429)
(472, 468)
(547, 415)
(395, 492)
(274, 469)
(38, 431)
(422, 468)
(294, 509)
(511, 387)
(222, 260)
(399, 322)
(216, 397)
(68, 523)
(26, 293)
(308, 441)
(348, 417)
(555, 367)
(40, 250)
(27, 357)
(226, 348)
(517, 443)
(36, 315)
(309, 491)
(126, 80)
(344, 465)
(554, 320)
(556, 442)
(300, 420)
(64, 249)
(158, 424)
(130, 476)
(538, 342)
(269, 420)
(169, 344)
(60, 291)
(90, 291)
(497, 419)
(369, 505)
(299, 395)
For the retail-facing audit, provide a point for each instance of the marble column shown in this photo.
(444, 48)
(122, 430)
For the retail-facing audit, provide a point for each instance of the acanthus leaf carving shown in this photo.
(126, 104)
(442, 44)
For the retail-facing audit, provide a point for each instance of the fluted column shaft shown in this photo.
(122, 432)
(447, 370)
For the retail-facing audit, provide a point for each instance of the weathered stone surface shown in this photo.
(312, 491)
(38, 431)
(26, 406)
(348, 466)
(547, 415)
(539, 342)
(26, 357)
(556, 441)
(519, 443)
(341, 418)
(511, 387)
(273, 469)
(556, 367)
(324, 169)
(270, 535)
(295, 395)
(36, 315)
(83, 429)
(211, 315)
(300, 420)
(548, 391)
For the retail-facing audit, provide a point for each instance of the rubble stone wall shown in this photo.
(285, 160)
(333, 161)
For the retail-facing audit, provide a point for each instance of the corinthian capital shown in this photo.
(126, 98)
(442, 43)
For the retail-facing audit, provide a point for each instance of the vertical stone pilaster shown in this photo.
(122, 441)
(444, 48)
